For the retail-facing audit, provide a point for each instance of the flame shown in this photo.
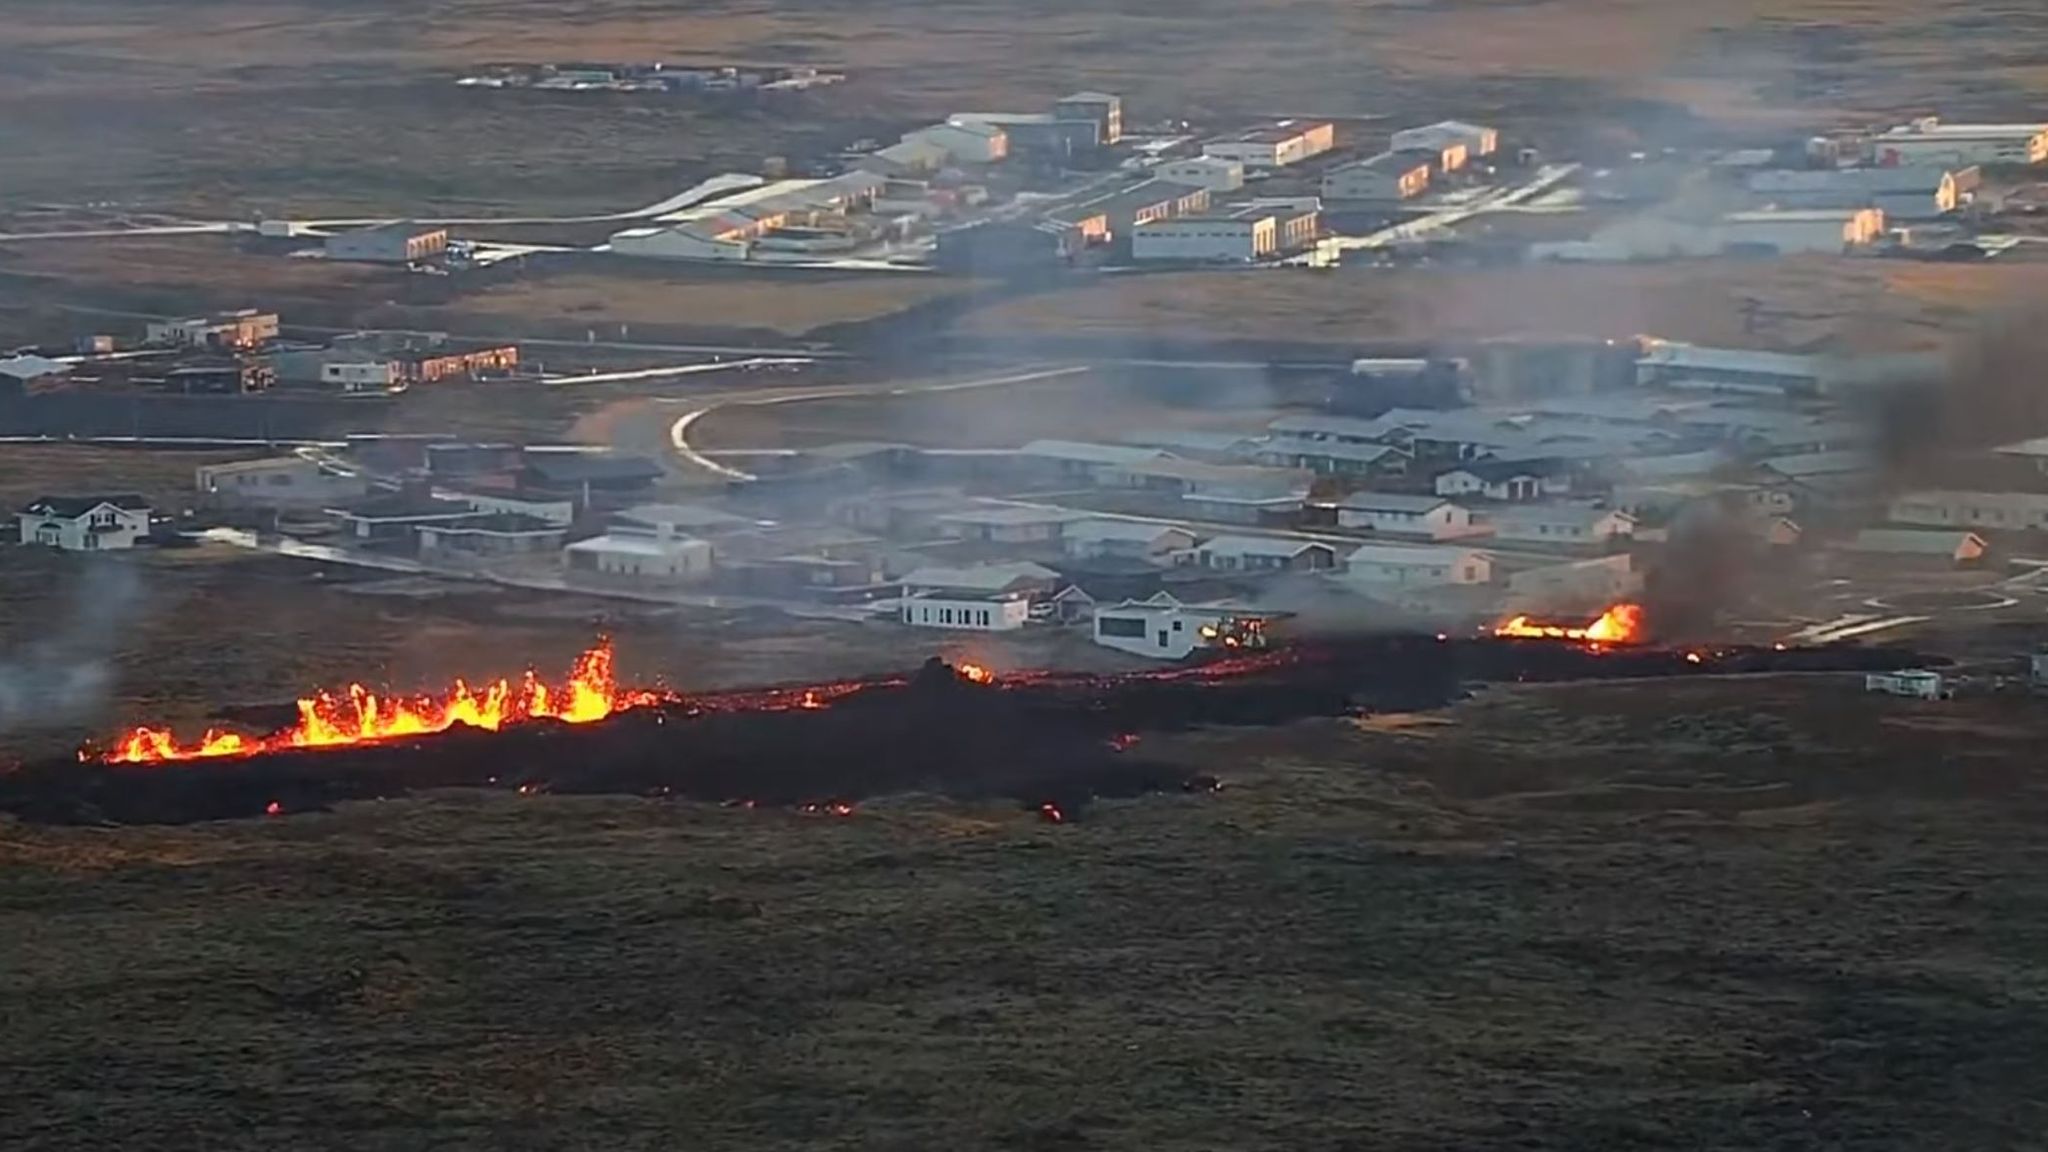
(975, 673)
(1621, 624)
(360, 716)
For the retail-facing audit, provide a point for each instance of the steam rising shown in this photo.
(64, 675)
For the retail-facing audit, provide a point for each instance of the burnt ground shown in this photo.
(1718, 913)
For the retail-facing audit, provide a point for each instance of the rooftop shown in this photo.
(1282, 546)
(1898, 178)
(1131, 530)
(1914, 542)
(1580, 515)
(1385, 162)
(680, 516)
(1808, 464)
(1392, 502)
(1187, 439)
(502, 524)
(1414, 555)
(1501, 471)
(1011, 514)
(403, 506)
(29, 367)
(1273, 133)
(72, 507)
(980, 577)
(1088, 453)
(637, 545)
(406, 228)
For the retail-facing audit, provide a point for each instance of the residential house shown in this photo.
(1109, 465)
(1477, 139)
(1417, 565)
(85, 523)
(1260, 554)
(1506, 479)
(1579, 583)
(582, 476)
(1402, 514)
(1335, 458)
(1570, 525)
(277, 482)
(1020, 579)
(1162, 628)
(494, 534)
(30, 373)
(641, 560)
(988, 613)
(397, 516)
(1147, 540)
(678, 520)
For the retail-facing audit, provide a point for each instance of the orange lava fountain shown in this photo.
(1621, 624)
(360, 716)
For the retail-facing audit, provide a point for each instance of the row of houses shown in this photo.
(1414, 157)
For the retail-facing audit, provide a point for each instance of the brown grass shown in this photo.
(1721, 916)
(1803, 302)
(789, 304)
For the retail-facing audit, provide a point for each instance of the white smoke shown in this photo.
(63, 674)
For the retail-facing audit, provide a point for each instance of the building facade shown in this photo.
(1207, 239)
(1387, 178)
(85, 523)
(401, 242)
(1276, 146)
(1399, 514)
(1409, 566)
(973, 614)
(1216, 173)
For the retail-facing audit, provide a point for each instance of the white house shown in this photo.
(974, 613)
(1334, 457)
(652, 560)
(1400, 514)
(85, 523)
(280, 481)
(1216, 173)
(1125, 539)
(1575, 525)
(28, 372)
(1260, 554)
(1505, 479)
(1417, 565)
(1997, 510)
(683, 242)
(1163, 628)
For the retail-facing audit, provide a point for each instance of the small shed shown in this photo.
(1916, 682)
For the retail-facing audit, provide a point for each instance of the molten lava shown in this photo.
(361, 716)
(1621, 624)
(975, 673)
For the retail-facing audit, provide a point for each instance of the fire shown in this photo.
(360, 716)
(975, 673)
(1621, 624)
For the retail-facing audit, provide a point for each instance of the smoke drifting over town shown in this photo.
(63, 675)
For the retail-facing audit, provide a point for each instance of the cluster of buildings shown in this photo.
(652, 77)
(1901, 190)
(242, 351)
(1414, 157)
(793, 220)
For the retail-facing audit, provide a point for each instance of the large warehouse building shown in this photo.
(1277, 145)
(1235, 238)
(1929, 141)
(400, 242)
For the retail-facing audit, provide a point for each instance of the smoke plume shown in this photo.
(63, 676)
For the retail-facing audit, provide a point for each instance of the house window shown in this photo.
(1119, 626)
(1176, 625)
(1162, 637)
(984, 618)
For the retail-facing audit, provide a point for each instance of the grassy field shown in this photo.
(300, 106)
(1798, 303)
(1722, 916)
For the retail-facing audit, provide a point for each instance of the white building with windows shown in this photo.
(1148, 540)
(1211, 239)
(642, 559)
(1401, 514)
(976, 614)
(1929, 141)
(85, 523)
(1163, 628)
(1995, 510)
(1216, 173)
(1505, 480)
(1572, 525)
(1417, 566)
(1387, 178)
(1260, 554)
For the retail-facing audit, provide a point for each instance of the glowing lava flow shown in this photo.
(360, 716)
(1621, 624)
